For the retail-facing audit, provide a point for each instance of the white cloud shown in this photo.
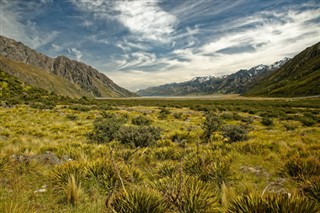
(95, 39)
(76, 53)
(12, 27)
(56, 48)
(271, 39)
(146, 19)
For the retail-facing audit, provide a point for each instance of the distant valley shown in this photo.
(299, 76)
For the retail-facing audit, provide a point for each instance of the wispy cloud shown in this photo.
(76, 53)
(146, 19)
(273, 36)
(11, 26)
(157, 41)
(143, 18)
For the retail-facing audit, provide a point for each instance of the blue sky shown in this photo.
(147, 43)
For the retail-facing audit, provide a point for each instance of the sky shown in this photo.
(146, 43)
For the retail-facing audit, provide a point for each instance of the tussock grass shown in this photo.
(177, 172)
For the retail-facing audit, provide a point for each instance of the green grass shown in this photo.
(177, 173)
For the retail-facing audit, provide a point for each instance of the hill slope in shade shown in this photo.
(298, 77)
(80, 79)
(235, 83)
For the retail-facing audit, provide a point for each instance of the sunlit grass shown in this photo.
(89, 173)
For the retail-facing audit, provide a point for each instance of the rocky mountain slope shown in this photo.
(68, 77)
(299, 77)
(238, 82)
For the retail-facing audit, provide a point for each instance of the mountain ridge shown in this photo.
(87, 80)
(237, 82)
(299, 77)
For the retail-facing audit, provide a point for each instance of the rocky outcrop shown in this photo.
(81, 75)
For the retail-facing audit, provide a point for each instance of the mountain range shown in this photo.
(60, 75)
(238, 82)
(299, 76)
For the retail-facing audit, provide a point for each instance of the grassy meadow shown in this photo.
(161, 155)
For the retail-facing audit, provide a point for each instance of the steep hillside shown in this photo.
(238, 82)
(298, 77)
(40, 78)
(81, 79)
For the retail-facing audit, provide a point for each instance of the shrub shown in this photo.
(308, 121)
(210, 125)
(177, 115)
(141, 120)
(247, 120)
(290, 126)
(227, 116)
(105, 129)
(163, 114)
(138, 136)
(234, 133)
(72, 117)
(280, 203)
(267, 121)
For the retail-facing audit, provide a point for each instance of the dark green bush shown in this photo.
(308, 121)
(235, 133)
(290, 126)
(72, 117)
(163, 114)
(105, 128)
(177, 115)
(138, 136)
(247, 120)
(267, 121)
(210, 125)
(141, 120)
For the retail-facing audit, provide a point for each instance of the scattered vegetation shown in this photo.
(150, 155)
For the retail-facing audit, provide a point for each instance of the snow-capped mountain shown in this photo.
(237, 82)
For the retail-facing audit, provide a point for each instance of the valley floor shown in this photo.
(59, 160)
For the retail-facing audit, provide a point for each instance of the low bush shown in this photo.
(138, 136)
(234, 133)
(141, 120)
(210, 125)
(308, 121)
(290, 126)
(163, 114)
(105, 128)
(267, 121)
(72, 117)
